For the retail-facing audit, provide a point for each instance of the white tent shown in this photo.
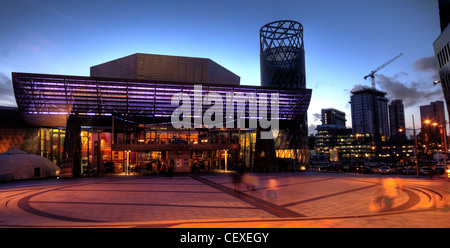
(25, 166)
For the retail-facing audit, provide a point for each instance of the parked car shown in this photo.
(406, 171)
(385, 170)
(439, 170)
(332, 168)
(425, 170)
(364, 170)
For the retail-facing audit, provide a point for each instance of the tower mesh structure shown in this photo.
(282, 61)
(282, 55)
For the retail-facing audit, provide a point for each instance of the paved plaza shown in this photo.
(303, 199)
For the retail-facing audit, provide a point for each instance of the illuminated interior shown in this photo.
(125, 124)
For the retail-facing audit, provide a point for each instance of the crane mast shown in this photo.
(372, 73)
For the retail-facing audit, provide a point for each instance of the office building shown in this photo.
(331, 116)
(370, 117)
(332, 135)
(444, 13)
(442, 50)
(397, 119)
(432, 113)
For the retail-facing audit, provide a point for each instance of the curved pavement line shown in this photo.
(279, 211)
(24, 204)
(267, 206)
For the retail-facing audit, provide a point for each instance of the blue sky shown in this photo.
(344, 41)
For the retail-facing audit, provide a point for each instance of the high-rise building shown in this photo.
(370, 112)
(444, 13)
(332, 135)
(370, 116)
(432, 113)
(397, 119)
(331, 116)
(442, 50)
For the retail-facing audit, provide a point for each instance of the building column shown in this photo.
(71, 159)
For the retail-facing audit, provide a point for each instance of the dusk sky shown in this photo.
(344, 41)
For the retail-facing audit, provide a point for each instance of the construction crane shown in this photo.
(372, 73)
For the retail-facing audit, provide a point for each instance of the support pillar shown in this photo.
(71, 159)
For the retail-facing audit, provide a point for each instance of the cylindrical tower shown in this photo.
(282, 55)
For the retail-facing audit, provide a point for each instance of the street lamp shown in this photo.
(127, 164)
(443, 132)
(415, 143)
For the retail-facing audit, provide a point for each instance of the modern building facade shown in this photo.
(370, 112)
(331, 116)
(282, 63)
(166, 68)
(122, 117)
(370, 117)
(432, 113)
(444, 13)
(397, 119)
(333, 135)
(282, 55)
(442, 50)
(109, 124)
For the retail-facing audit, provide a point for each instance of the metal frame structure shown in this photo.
(282, 60)
(49, 100)
(76, 103)
(282, 54)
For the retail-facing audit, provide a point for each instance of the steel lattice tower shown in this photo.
(282, 55)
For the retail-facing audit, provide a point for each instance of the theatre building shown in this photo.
(120, 119)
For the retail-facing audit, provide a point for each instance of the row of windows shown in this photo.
(444, 56)
(446, 84)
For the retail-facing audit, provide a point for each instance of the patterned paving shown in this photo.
(161, 201)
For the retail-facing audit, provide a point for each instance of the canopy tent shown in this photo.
(22, 165)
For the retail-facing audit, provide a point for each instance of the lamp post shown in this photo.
(415, 143)
(127, 164)
(443, 132)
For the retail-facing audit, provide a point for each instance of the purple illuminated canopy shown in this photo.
(48, 100)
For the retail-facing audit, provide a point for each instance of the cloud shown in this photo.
(312, 129)
(28, 46)
(413, 94)
(427, 64)
(317, 117)
(359, 87)
(64, 16)
(6, 92)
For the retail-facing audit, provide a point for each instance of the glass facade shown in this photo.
(370, 113)
(102, 125)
